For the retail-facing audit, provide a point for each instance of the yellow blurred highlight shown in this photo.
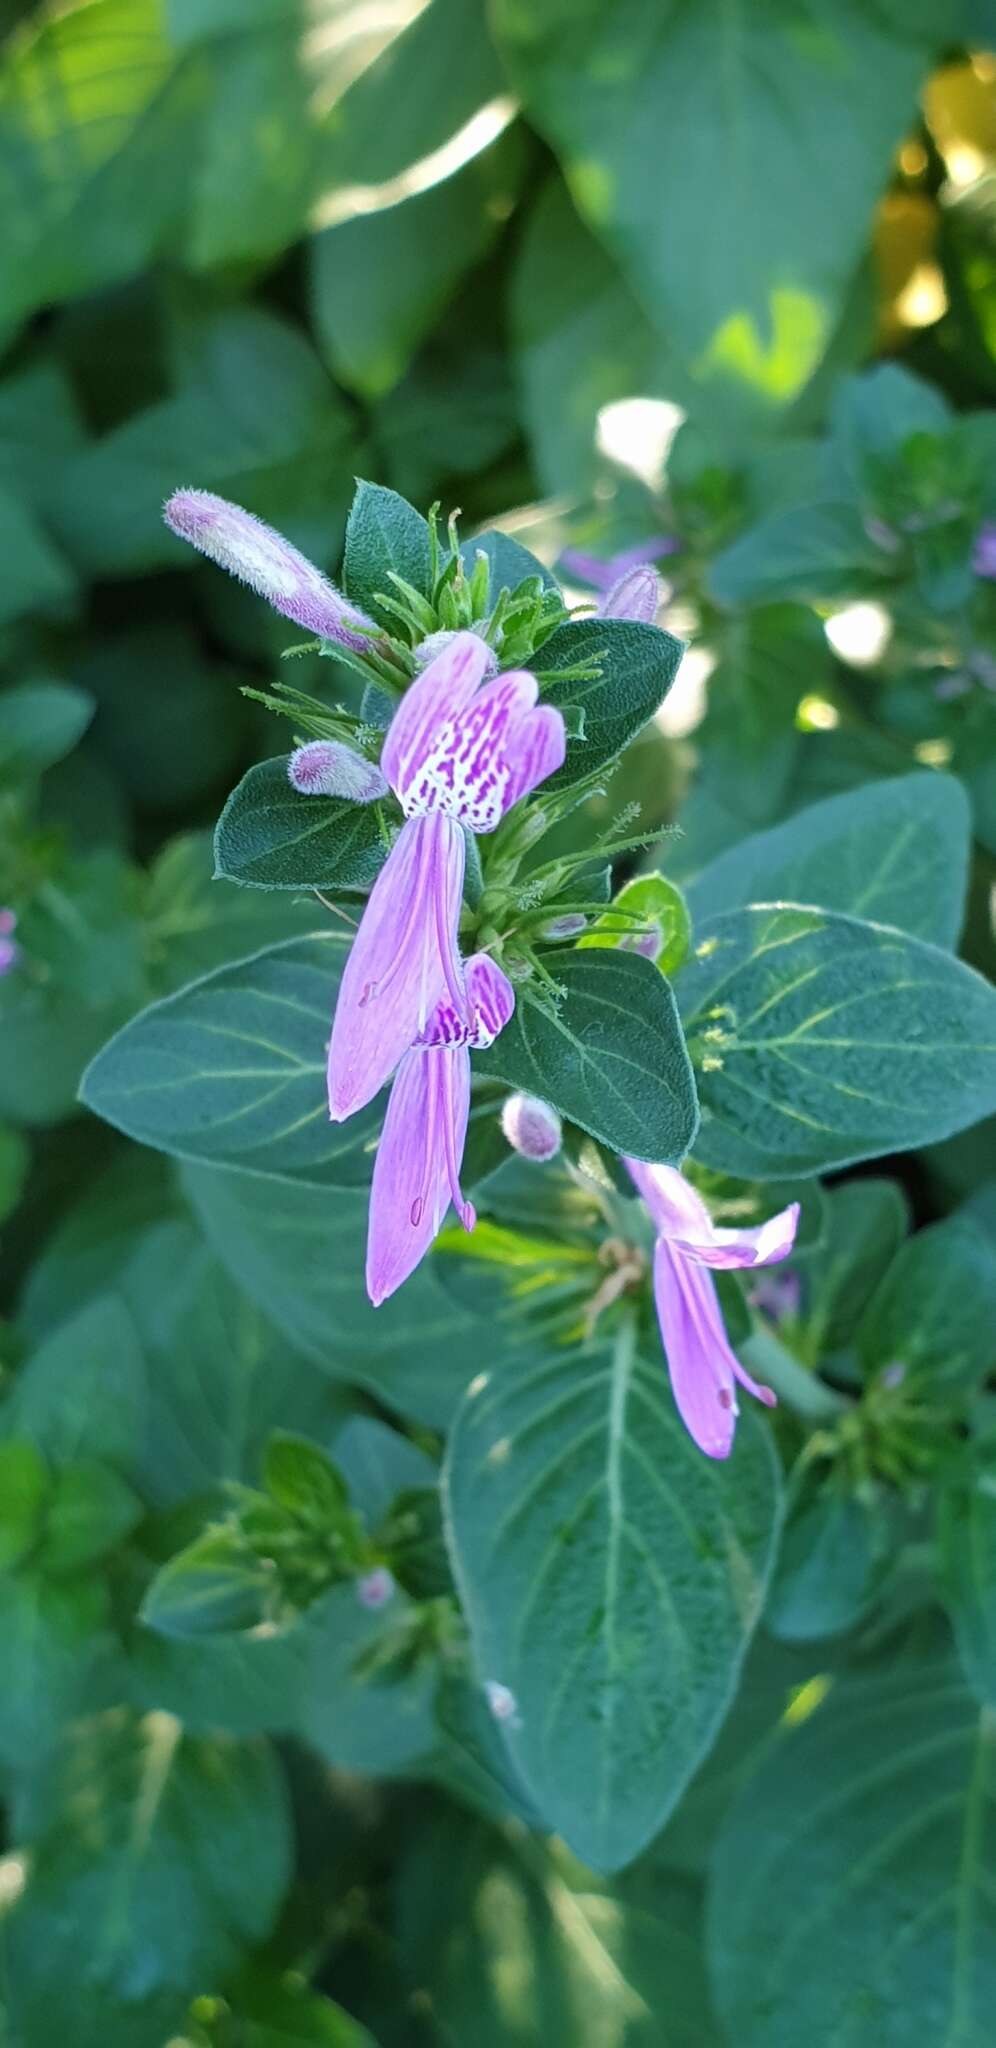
(477, 134)
(637, 434)
(859, 633)
(912, 159)
(934, 753)
(13, 1878)
(909, 280)
(959, 105)
(804, 1700)
(924, 299)
(777, 367)
(816, 715)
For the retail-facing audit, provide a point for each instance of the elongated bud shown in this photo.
(375, 1588)
(636, 596)
(261, 557)
(531, 1127)
(329, 768)
(566, 927)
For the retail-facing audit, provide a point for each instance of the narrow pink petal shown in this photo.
(426, 1120)
(536, 751)
(394, 976)
(762, 1244)
(673, 1203)
(702, 1367)
(439, 694)
(681, 1215)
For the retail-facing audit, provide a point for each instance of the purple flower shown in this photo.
(604, 575)
(259, 556)
(10, 951)
(636, 595)
(459, 752)
(704, 1371)
(417, 1167)
(531, 1127)
(329, 768)
(375, 1588)
(984, 552)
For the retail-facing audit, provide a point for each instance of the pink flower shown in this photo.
(261, 557)
(704, 1370)
(417, 1167)
(636, 595)
(603, 575)
(462, 748)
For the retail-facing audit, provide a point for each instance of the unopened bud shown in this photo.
(329, 768)
(261, 557)
(375, 1588)
(984, 553)
(566, 927)
(649, 944)
(502, 1702)
(10, 951)
(531, 1127)
(437, 643)
(636, 596)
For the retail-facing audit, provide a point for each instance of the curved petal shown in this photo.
(404, 958)
(490, 999)
(681, 1216)
(763, 1244)
(536, 751)
(702, 1367)
(425, 1129)
(442, 691)
(672, 1201)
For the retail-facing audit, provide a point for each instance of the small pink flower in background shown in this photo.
(984, 552)
(531, 1127)
(375, 1588)
(703, 1368)
(637, 595)
(261, 557)
(776, 1295)
(417, 1167)
(461, 749)
(328, 768)
(10, 951)
(603, 575)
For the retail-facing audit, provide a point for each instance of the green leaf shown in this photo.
(384, 532)
(379, 1463)
(612, 1058)
(415, 1353)
(638, 665)
(36, 577)
(510, 563)
(298, 1474)
(363, 1703)
(828, 1566)
(864, 1835)
(403, 263)
(212, 1587)
(611, 1577)
(932, 1311)
(173, 742)
(15, 1161)
(822, 1040)
(91, 1511)
(60, 1660)
(747, 267)
(25, 1486)
(39, 723)
(876, 414)
(231, 1070)
(270, 836)
(516, 1942)
(278, 2011)
(866, 1224)
(966, 1537)
(253, 416)
(146, 1845)
(896, 852)
(663, 908)
(814, 552)
(83, 1393)
(192, 926)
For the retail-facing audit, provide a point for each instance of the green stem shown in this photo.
(799, 1389)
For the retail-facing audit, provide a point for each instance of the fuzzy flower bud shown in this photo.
(328, 768)
(259, 556)
(375, 1588)
(437, 643)
(566, 927)
(649, 944)
(984, 554)
(531, 1127)
(637, 596)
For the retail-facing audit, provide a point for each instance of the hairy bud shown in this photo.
(261, 557)
(637, 596)
(531, 1127)
(328, 768)
(375, 1588)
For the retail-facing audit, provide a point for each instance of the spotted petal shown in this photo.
(438, 695)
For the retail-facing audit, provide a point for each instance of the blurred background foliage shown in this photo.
(604, 272)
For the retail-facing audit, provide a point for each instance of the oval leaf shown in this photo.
(612, 1058)
(637, 666)
(270, 836)
(611, 1576)
(821, 1040)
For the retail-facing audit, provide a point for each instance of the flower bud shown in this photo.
(328, 768)
(437, 643)
(636, 596)
(375, 1588)
(531, 1127)
(261, 557)
(649, 944)
(502, 1702)
(566, 927)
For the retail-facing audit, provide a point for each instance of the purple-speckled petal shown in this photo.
(430, 703)
(416, 1170)
(536, 750)
(702, 1367)
(261, 557)
(403, 960)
